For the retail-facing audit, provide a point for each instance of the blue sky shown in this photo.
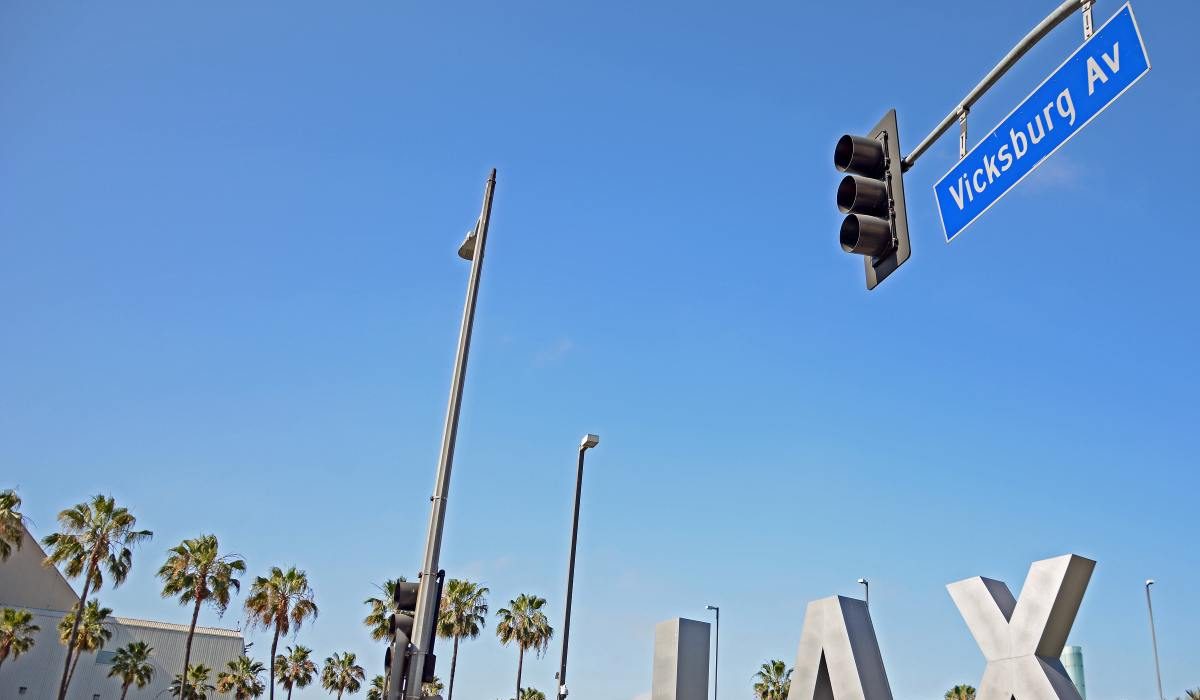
(230, 298)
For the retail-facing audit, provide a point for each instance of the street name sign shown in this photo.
(1099, 72)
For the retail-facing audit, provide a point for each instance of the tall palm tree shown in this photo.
(1193, 694)
(16, 633)
(433, 687)
(464, 615)
(12, 532)
(380, 618)
(241, 677)
(341, 674)
(961, 692)
(93, 631)
(295, 670)
(773, 681)
(132, 665)
(532, 694)
(198, 573)
(196, 687)
(95, 537)
(378, 685)
(524, 622)
(278, 602)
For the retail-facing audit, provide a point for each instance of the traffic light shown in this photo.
(400, 631)
(400, 628)
(872, 197)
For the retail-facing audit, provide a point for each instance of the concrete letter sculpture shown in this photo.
(839, 656)
(1022, 639)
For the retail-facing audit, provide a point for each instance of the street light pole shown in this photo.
(472, 249)
(867, 587)
(717, 652)
(1154, 638)
(589, 441)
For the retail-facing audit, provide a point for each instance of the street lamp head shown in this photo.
(589, 441)
(1149, 582)
(466, 251)
(711, 607)
(863, 581)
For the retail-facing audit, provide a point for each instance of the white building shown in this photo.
(26, 584)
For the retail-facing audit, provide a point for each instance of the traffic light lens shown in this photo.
(866, 235)
(859, 155)
(858, 195)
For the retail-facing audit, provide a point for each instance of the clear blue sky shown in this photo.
(230, 297)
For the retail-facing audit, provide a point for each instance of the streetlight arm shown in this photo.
(1065, 10)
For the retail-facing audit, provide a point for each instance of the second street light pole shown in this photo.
(717, 651)
(1154, 639)
(589, 441)
(423, 626)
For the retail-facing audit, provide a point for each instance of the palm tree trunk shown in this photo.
(74, 663)
(187, 647)
(87, 584)
(274, 645)
(520, 664)
(453, 666)
(289, 691)
(124, 690)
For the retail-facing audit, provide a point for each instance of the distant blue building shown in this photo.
(1072, 659)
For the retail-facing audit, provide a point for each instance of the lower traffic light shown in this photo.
(872, 197)
(400, 628)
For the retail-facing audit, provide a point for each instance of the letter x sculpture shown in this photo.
(1023, 639)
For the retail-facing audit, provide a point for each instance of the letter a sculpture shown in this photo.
(839, 655)
(1023, 639)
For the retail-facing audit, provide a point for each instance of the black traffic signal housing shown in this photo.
(872, 197)
(400, 629)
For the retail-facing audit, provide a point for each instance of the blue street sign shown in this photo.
(1093, 77)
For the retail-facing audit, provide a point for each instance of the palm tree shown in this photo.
(532, 694)
(378, 685)
(96, 537)
(132, 665)
(93, 632)
(12, 531)
(524, 622)
(196, 686)
(380, 618)
(464, 614)
(1193, 694)
(198, 573)
(961, 692)
(433, 687)
(773, 681)
(341, 674)
(16, 633)
(241, 678)
(277, 602)
(295, 670)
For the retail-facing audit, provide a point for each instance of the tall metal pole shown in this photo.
(423, 625)
(562, 668)
(867, 588)
(1154, 639)
(717, 651)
